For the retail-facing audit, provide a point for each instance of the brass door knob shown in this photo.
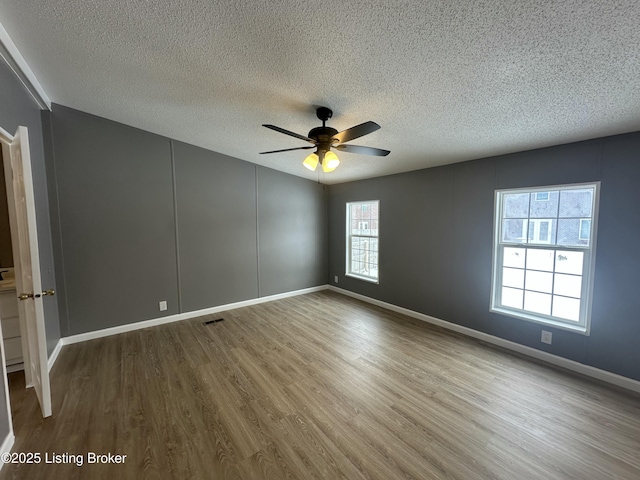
(25, 296)
(49, 292)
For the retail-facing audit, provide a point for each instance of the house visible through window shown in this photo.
(585, 228)
(544, 254)
(539, 230)
(362, 240)
(542, 196)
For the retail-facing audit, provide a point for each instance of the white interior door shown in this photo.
(24, 237)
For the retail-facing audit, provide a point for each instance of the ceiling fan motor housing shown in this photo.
(324, 137)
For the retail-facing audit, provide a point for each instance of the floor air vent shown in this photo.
(209, 322)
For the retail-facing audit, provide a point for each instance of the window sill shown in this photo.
(360, 277)
(582, 330)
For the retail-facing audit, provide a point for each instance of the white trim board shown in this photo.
(18, 367)
(603, 375)
(83, 337)
(7, 445)
(16, 62)
(5, 136)
(54, 355)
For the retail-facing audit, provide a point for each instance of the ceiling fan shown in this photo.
(325, 138)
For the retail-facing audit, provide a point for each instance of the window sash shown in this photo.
(584, 288)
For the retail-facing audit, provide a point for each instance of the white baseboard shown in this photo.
(54, 354)
(7, 445)
(15, 367)
(83, 337)
(50, 362)
(603, 375)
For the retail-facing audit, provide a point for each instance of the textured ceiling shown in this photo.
(447, 80)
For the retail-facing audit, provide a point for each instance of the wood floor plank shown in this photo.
(321, 386)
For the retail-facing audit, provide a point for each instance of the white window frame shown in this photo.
(361, 234)
(589, 251)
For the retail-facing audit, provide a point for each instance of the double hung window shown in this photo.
(544, 254)
(362, 240)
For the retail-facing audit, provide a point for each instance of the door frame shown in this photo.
(6, 140)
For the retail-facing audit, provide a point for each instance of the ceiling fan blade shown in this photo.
(357, 131)
(287, 132)
(378, 152)
(288, 149)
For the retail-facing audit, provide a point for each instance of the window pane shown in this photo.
(539, 281)
(512, 297)
(567, 308)
(516, 205)
(514, 230)
(547, 208)
(373, 245)
(542, 231)
(540, 259)
(513, 277)
(568, 285)
(354, 223)
(513, 257)
(537, 302)
(576, 203)
(569, 230)
(569, 262)
(364, 255)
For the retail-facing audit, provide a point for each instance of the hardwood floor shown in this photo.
(321, 386)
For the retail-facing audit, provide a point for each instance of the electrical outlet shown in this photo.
(162, 305)
(546, 337)
(335, 278)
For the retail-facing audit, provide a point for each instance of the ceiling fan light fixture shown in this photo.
(330, 162)
(311, 162)
(324, 138)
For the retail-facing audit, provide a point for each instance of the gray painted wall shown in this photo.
(436, 234)
(292, 229)
(116, 220)
(143, 218)
(18, 109)
(216, 201)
